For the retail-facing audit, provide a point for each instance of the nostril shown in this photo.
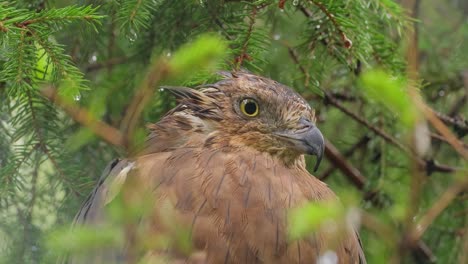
(305, 122)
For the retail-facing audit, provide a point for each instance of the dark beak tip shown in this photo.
(316, 144)
(319, 160)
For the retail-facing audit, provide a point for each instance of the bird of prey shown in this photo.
(226, 164)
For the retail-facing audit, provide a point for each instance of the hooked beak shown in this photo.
(307, 140)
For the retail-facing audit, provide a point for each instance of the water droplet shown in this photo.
(276, 36)
(441, 93)
(93, 57)
(295, 2)
(77, 97)
(317, 27)
(132, 36)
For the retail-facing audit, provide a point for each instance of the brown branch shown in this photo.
(437, 208)
(429, 165)
(333, 101)
(353, 174)
(158, 71)
(459, 124)
(101, 129)
(105, 64)
(3, 28)
(431, 115)
(360, 143)
(295, 57)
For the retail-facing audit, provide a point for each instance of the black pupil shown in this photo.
(250, 108)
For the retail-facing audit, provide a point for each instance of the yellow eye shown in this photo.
(249, 107)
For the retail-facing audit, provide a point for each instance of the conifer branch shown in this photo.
(43, 145)
(347, 43)
(243, 52)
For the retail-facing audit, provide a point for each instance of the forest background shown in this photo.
(388, 79)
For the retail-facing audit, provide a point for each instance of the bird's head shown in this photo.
(247, 110)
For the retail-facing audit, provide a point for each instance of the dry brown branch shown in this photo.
(156, 73)
(437, 208)
(443, 129)
(101, 129)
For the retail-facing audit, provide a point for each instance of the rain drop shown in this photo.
(132, 36)
(77, 97)
(295, 2)
(93, 58)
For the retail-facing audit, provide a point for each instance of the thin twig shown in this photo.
(105, 64)
(443, 139)
(331, 99)
(430, 165)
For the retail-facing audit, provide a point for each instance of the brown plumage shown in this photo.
(227, 174)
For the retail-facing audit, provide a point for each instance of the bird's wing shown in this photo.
(91, 210)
